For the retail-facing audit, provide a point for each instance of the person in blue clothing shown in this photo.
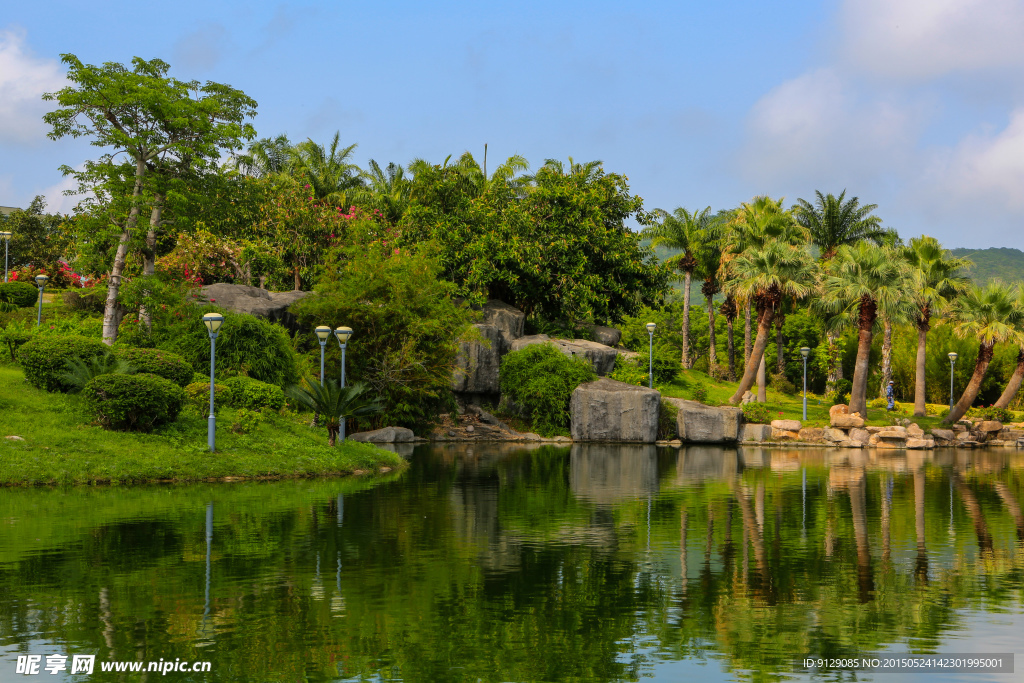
(890, 396)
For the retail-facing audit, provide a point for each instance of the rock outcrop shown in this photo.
(384, 435)
(601, 357)
(606, 410)
(476, 367)
(698, 423)
(273, 306)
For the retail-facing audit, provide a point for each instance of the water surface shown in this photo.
(500, 563)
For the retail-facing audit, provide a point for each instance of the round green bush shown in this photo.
(253, 394)
(156, 362)
(197, 397)
(541, 379)
(133, 402)
(45, 358)
(21, 294)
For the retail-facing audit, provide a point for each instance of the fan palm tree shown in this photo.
(730, 310)
(765, 275)
(683, 230)
(334, 402)
(864, 278)
(1013, 385)
(709, 266)
(934, 280)
(328, 170)
(79, 372)
(265, 157)
(989, 314)
(833, 222)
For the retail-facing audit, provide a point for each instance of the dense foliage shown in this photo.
(45, 358)
(252, 394)
(133, 402)
(19, 294)
(156, 362)
(541, 379)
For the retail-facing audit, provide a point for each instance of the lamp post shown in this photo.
(650, 373)
(213, 321)
(5, 235)
(41, 280)
(323, 333)
(952, 362)
(805, 351)
(343, 334)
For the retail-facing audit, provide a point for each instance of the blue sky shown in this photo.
(914, 105)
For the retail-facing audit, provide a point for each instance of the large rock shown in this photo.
(914, 430)
(834, 435)
(861, 436)
(601, 357)
(476, 366)
(384, 435)
(916, 443)
(607, 410)
(838, 409)
(943, 436)
(784, 435)
(508, 319)
(894, 437)
(609, 336)
(698, 423)
(252, 300)
(989, 426)
(811, 434)
(847, 421)
(787, 425)
(755, 432)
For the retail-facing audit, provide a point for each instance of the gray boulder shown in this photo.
(607, 410)
(601, 357)
(609, 336)
(756, 432)
(698, 423)
(384, 435)
(508, 319)
(273, 306)
(476, 366)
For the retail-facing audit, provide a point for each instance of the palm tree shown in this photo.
(765, 275)
(388, 190)
(265, 157)
(990, 315)
(334, 402)
(730, 310)
(327, 169)
(865, 278)
(709, 265)
(1013, 386)
(506, 175)
(934, 281)
(683, 230)
(832, 222)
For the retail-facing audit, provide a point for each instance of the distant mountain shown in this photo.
(1003, 263)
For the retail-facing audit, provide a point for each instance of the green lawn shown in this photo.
(62, 447)
(788, 407)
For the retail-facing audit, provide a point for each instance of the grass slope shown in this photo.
(1003, 263)
(62, 447)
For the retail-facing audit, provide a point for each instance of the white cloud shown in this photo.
(983, 169)
(924, 39)
(56, 200)
(23, 80)
(817, 130)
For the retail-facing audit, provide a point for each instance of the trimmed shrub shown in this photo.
(757, 413)
(45, 358)
(85, 300)
(133, 402)
(15, 335)
(156, 362)
(253, 394)
(781, 383)
(21, 294)
(197, 397)
(541, 379)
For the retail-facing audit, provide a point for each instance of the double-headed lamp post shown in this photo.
(952, 362)
(323, 333)
(805, 351)
(343, 334)
(5, 235)
(41, 280)
(650, 373)
(213, 321)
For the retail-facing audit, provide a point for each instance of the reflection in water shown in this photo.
(523, 564)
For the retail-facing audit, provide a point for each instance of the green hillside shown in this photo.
(1003, 263)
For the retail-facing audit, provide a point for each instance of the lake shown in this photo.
(505, 563)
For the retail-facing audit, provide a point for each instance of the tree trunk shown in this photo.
(686, 319)
(764, 325)
(332, 435)
(919, 370)
(974, 386)
(298, 279)
(866, 321)
(149, 254)
(730, 337)
(1014, 384)
(712, 351)
(746, 335)
(780, 350)
(111, 312)
(831, 378)
(762, 383)
(886, 354)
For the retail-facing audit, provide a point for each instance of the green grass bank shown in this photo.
(61, 446)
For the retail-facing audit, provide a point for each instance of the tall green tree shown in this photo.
(990, 315)
(765, 275)
(1017, 377)
(147, 117)
(326, 168)
(709, 269)
(683, 230)
(863, 278)
(934, 280)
